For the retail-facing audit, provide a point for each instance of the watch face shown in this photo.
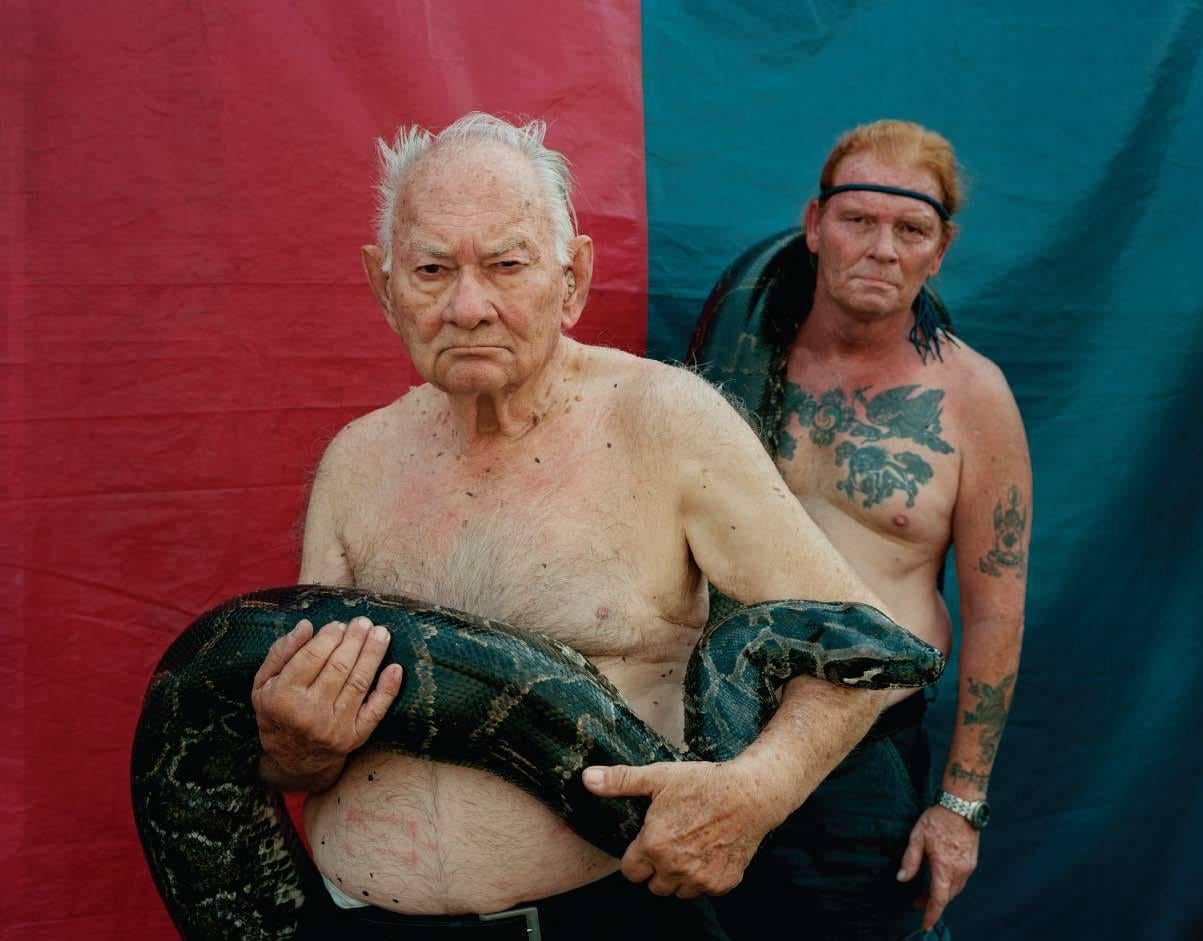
(981, 815)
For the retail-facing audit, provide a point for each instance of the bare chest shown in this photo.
(884, 457)
(552, 539)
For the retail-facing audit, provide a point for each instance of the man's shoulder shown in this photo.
(652, 388)
(978, 400)
(663, 404)
(973, 375)
(374, 431)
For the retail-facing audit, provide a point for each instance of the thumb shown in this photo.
(618, 781)
(912, 858)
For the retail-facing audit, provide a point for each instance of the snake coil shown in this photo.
(221, 848)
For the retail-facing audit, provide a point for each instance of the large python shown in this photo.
(223, 852)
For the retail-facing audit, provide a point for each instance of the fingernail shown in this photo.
(593, 776)
(379, 633)
(901, 874)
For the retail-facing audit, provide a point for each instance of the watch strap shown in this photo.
(970, 810)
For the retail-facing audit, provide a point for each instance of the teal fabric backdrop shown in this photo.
(1078, 271)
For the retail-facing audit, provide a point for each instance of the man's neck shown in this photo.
(482, 421)
(829, 331)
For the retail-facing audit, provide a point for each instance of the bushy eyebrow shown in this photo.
(433, 250)
(508, 245)
(428, 248)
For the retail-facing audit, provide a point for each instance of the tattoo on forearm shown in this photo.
(990, 713)
(1010, 524)
(874, 473)
(968, 775)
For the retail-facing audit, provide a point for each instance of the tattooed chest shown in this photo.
(872, 449)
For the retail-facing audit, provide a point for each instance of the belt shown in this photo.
(518, 924)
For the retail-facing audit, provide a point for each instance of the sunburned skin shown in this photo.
(572, 489)
(519, 540)
(875, 460)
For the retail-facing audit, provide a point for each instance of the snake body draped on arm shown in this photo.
(223, 852)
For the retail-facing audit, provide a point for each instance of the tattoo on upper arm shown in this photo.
(990, 712)
(874, 472)
(1010, 524)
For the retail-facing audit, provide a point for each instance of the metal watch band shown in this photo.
(976, 812)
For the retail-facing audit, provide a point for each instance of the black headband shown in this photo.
(828, 191)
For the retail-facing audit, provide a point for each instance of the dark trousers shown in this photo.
(829, 870)
(611, 909)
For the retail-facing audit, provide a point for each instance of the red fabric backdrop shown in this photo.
(186, 324)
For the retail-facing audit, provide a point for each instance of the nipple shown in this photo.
(901, 520)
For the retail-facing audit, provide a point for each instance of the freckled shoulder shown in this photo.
(666, 405)
(363, 444)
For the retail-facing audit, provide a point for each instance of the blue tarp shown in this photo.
(1078, 271)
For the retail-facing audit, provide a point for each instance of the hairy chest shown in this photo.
(554, 539)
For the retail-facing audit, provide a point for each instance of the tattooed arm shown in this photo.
(991, 532)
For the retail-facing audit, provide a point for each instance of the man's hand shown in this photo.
(701, 830)
(314, 700)
(950, 844)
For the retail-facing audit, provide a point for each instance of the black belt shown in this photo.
(520, 924)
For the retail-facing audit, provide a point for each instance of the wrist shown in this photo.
(975, 812)
(311, 775)
(965, 782)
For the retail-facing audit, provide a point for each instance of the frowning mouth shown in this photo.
(476, 349)
(869, 279)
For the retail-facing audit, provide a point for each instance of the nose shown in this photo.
(471, 302)
(882, 246)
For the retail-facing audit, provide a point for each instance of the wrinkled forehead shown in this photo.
(486, 182)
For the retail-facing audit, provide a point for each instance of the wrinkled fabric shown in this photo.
(1076, 270)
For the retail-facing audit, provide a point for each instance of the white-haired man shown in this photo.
(580, 491)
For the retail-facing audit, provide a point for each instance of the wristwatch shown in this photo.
(976, 812)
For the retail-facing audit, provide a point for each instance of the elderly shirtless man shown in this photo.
(898, 440)
(576, 490)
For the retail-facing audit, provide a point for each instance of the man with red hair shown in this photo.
(899, 441)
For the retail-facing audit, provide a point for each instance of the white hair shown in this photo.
(412, 143)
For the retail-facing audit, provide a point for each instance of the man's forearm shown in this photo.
(816, 725)
(988, 669)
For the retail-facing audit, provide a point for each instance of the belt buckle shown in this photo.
(530, 914)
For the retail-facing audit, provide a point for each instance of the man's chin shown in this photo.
(876, 303)
(471, 381)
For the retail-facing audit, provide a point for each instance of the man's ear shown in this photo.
(810, 223)
(373, 266)
(578, 275)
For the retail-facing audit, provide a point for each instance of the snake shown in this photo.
(221, 847)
